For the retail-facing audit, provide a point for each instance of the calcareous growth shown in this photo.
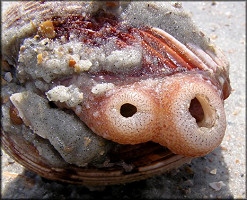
(86, 83)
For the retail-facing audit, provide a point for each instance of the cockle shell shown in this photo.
(95, 80)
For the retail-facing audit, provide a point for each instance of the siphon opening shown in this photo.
(201, 110)
(196, 110)
(128, 110)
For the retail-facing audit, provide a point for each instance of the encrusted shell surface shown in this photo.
(109, 92)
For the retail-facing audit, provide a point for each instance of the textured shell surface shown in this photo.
(96, 91)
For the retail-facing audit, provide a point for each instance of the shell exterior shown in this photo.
(159, 161)
(109, 92)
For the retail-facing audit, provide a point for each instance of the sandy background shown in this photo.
(224, 23)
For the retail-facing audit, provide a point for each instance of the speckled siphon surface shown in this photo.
(220, 174)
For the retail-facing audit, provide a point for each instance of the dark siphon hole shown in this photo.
(128, 110)
(196, 110)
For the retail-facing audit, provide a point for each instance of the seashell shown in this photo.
(109, 92)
